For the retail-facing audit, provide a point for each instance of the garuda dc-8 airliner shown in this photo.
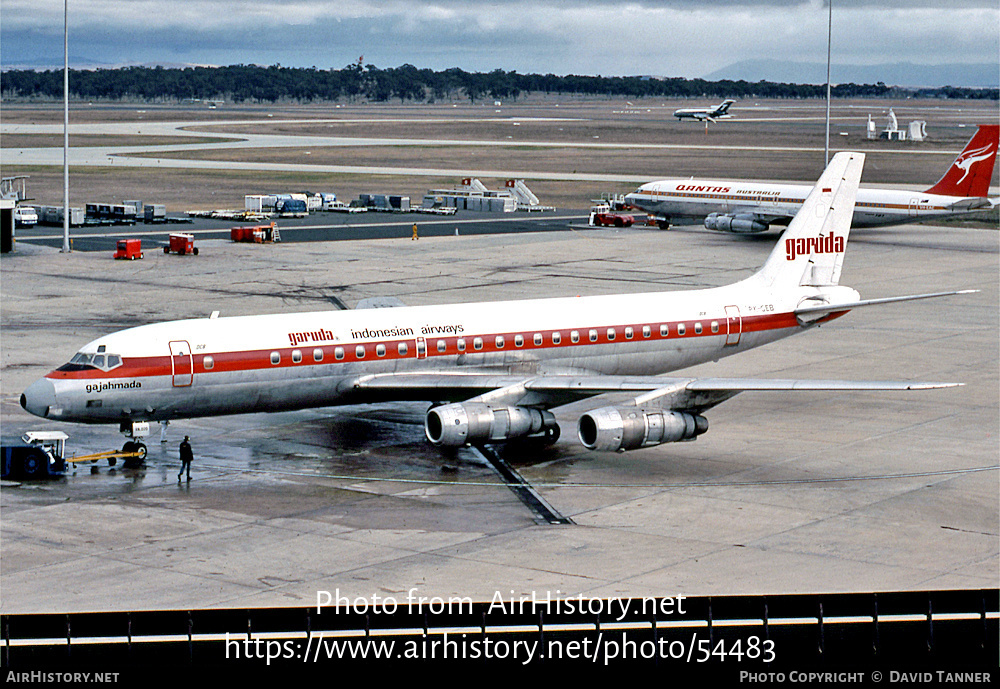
(496, 370)
(751, 207)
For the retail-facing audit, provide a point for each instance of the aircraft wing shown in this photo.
(549, 391)
(755, 210)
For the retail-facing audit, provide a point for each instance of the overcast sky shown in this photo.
(688, 38)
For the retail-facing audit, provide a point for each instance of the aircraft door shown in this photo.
(734, 325)
(181, 363)
(914, 208)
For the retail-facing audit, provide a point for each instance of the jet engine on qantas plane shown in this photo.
(456, 425)
(616, 429)
(743, 224)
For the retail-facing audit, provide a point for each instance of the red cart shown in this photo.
(181, 243)
(129, 249)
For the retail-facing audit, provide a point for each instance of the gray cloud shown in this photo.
(609, 37)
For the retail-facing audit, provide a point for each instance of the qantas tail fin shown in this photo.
(811, 250)
(972, 171)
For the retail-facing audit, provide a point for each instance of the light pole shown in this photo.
(829, 40)
(65, 246)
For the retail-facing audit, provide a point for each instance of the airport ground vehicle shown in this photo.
(181, 244)
(129, 249)
(258, 234)
(613, 220)
(35, 455)
(25, 216)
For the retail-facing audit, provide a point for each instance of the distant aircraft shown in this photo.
(750, 207)
(495, 369)
(719, 112)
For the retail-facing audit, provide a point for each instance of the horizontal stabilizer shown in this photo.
(822, 309)
(972, 204)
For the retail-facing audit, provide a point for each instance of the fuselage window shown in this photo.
(537, 339)
(208, 362)
(574, 336)
(318, 354)
(681, 329)
(697, 328)
(612, 334)
(380, 350)
(442, 346)
(556, 338)
(460, 344)
(593, 336)
(275, 358)
(629, 333)
(646, 331)
(296, 356)
(477, 343)
(665, 330)
(499, 341)
(402, 349)
(359, 351)
(338, 353)
(519, 340)
(715, 326)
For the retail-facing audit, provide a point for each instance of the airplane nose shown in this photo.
(39, 397)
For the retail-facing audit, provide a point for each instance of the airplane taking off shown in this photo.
(719, 112)
(749, 207)
(498, 369)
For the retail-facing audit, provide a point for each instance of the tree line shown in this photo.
(357, 82)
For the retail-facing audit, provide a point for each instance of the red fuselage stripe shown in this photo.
(248, 360)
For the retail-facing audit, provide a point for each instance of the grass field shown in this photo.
(766, 140)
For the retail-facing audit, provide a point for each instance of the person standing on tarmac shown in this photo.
(414, 232)
(186, 456)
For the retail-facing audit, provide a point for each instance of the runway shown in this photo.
(171, 156)
(816, 492)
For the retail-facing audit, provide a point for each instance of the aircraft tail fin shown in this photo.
(972, 171)
(811, 250)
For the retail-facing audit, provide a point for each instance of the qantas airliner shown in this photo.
(750, 207)
(498, 369)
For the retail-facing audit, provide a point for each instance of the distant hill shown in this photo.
(894, 74)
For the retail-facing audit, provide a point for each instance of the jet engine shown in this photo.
(743, 224)
(455, 425)
(616, 429)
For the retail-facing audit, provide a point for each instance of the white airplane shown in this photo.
(751, 207)
(498, 367)
(719, 112)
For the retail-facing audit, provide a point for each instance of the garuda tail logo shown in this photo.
(802, 246)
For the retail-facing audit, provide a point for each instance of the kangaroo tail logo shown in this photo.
(965, 161)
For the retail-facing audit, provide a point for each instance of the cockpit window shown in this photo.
(83, 361)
